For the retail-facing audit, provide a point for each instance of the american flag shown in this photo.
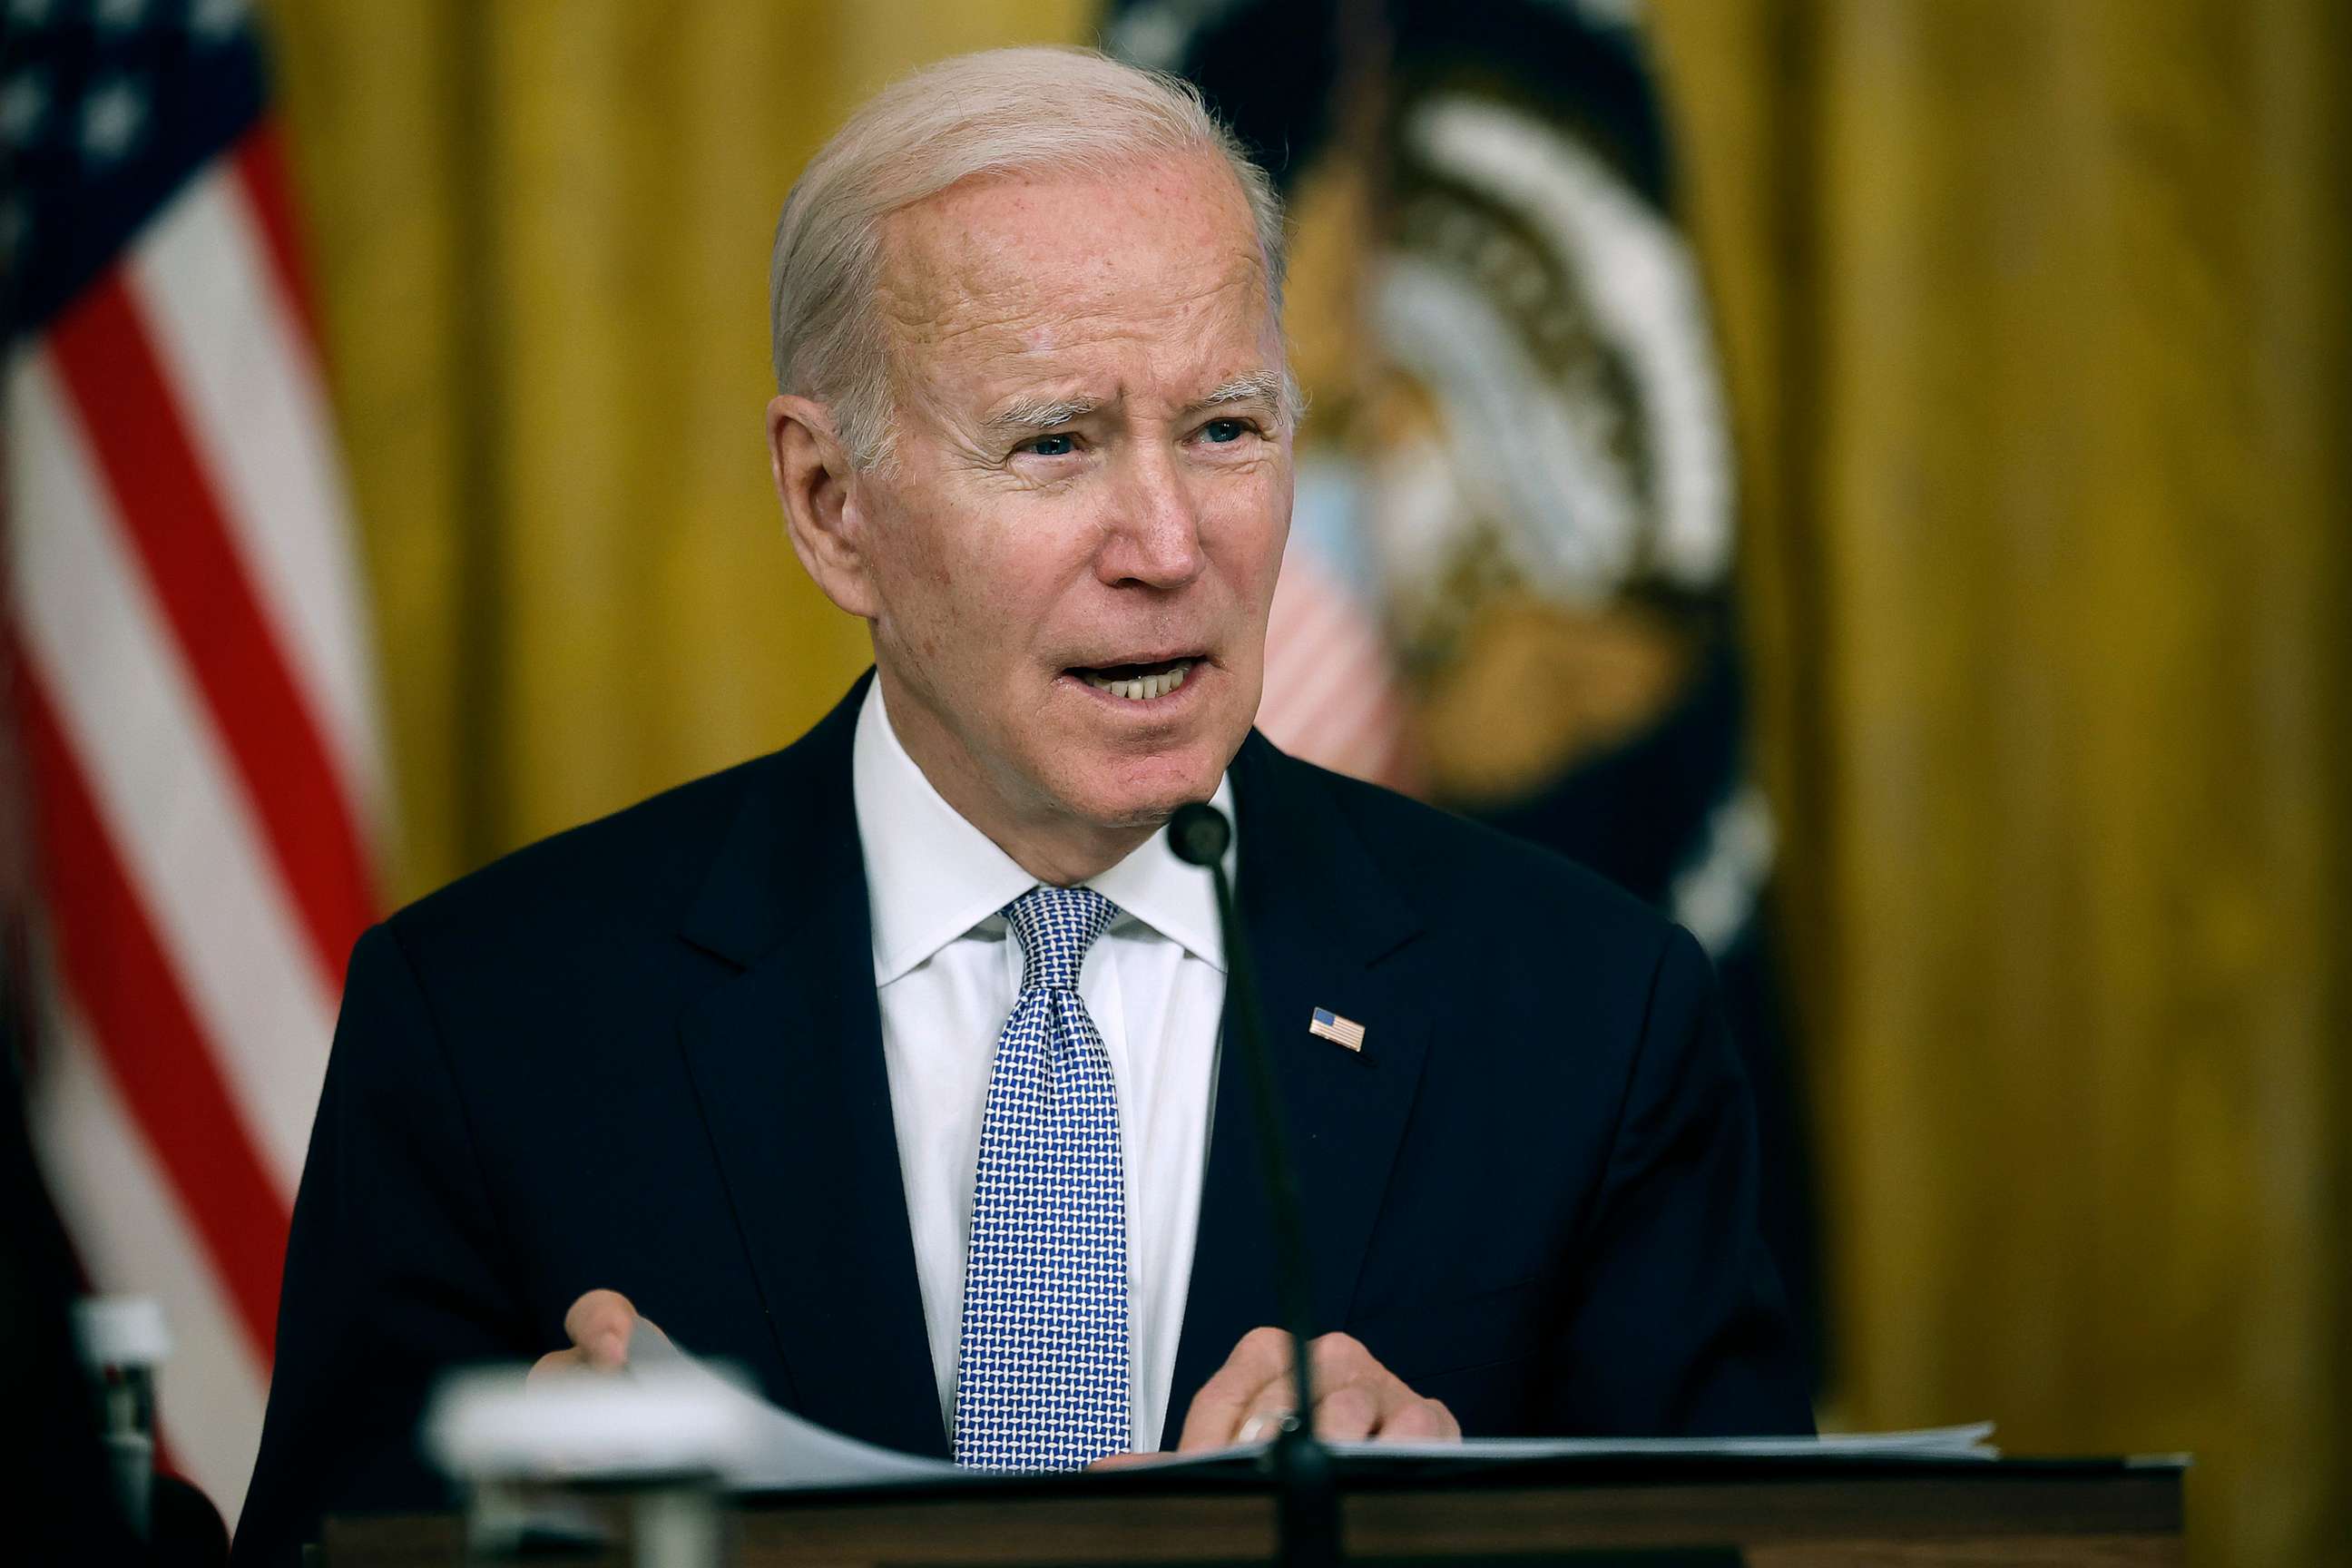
(189, 690)
(1339, 1031)
(1331, 691)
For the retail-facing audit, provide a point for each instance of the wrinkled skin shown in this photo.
(995, 552)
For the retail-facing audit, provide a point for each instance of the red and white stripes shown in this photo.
(193, 697)
(1331, 693)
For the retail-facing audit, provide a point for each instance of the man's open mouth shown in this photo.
(1137, 683)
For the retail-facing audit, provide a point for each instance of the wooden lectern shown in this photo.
(1651, 1513)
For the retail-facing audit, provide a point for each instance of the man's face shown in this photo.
(1069, 557)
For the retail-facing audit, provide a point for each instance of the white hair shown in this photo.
(1001, 112)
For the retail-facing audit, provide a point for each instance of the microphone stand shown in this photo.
(1307, 1498)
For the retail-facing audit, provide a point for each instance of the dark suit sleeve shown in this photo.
(1678, 1324)
(390, 1276)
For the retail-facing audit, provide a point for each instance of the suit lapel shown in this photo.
(1325, 928)
(787, 1060)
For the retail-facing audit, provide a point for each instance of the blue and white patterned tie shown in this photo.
(1041, 1381)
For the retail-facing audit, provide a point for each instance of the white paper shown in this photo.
(787, 1453)
(782, 1451)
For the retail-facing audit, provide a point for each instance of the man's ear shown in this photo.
(812, 474)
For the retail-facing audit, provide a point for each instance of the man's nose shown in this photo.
(1154, 532)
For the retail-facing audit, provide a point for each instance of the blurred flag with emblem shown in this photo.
(1516, 492)
(189, 691)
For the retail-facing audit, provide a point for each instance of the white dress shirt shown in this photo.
(947, 973)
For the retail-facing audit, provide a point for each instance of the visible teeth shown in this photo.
(1143, 688)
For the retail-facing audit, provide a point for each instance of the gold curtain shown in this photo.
(2033, 315)
(2036, 318)
(540, 229)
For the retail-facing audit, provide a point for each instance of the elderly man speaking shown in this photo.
(891, 1067)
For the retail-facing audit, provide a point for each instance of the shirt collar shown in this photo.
(931, 876)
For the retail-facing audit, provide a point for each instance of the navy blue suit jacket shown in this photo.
(646, 1055)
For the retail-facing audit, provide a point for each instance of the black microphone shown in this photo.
(1309, 1503)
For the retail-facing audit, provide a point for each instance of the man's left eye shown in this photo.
(1222, 432)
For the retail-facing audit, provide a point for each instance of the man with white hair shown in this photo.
(889, 1066)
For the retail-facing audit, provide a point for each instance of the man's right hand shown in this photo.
(600, 1325)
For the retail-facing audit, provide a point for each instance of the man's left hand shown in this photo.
(1355, 1397)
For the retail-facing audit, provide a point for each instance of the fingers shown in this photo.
(1237, 1391)
(1346, 1414)
(599, 1324)
(1268, 1408)
(1123, 1462)
(1355, 1397)
(1354, 1394)
(1422, 1421)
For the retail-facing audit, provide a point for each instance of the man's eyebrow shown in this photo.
(1258, 386)
(1027, 416)
(1034, 414)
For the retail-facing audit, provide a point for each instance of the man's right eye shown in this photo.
(1060, 445)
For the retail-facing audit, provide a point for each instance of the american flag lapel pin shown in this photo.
(1339, 1031)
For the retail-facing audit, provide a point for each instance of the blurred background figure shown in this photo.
(1978, 690)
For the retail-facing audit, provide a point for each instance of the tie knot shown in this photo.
(1055, 926)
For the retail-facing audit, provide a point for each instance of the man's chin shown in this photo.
(1128, 810)
(1127, 793)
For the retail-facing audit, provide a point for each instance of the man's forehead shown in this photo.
(1192, 192)
(1029, 255)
